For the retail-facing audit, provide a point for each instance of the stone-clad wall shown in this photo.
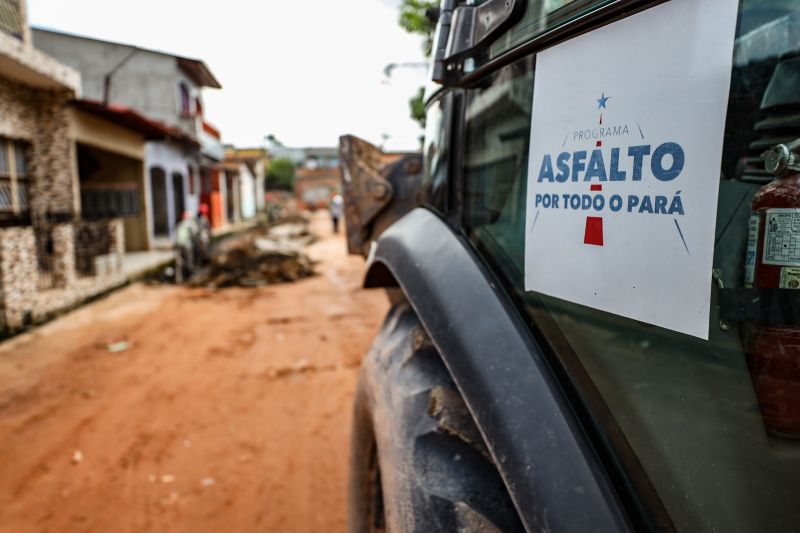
(52, 162)
(17, 110)
(116, 228)
(102, 241)
(40, 117)
(63, 255)
(18, 272)
(20, 301)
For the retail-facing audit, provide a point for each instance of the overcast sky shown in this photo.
(306, 71)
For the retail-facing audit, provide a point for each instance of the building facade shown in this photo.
(251, 166)
(317, 177)
(113, 144)
(166, 89)
(50, 258)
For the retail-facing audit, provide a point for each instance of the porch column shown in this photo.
(18, 276)
(64, 270)
(116, 231)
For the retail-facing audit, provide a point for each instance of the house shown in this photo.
(317, 175)
(250, 165)
(111, 145)
(50, 257)
(166, 89)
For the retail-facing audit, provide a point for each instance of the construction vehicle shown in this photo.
(491, 401)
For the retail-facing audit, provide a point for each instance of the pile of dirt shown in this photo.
(262, 257)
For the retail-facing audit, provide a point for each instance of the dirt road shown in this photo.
(230, 410)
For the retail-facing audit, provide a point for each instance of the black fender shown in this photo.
(552, 474)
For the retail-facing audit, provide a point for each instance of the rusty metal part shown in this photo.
(378, 188)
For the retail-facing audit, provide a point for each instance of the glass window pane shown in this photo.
(540, 16)
(714, 424)
(21, 159)
(435, 151)
(6, 204)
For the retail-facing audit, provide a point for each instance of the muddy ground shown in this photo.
(228, 411)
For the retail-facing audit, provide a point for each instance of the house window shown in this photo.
(190, 174)
(11, 18)
(14, 176)
(198, 107)
(186, 100)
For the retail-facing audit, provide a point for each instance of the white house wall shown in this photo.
(260, 177)
(247, 187)
(172, 159)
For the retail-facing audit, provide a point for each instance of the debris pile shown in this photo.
(264, 257)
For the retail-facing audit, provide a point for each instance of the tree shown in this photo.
(414, 19)
(417, 104)
(281, 174)
(273, 140)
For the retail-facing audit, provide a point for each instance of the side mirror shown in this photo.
(466, 29)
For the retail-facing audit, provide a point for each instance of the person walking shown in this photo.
(337, 210)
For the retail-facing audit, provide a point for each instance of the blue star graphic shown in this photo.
(602, 101)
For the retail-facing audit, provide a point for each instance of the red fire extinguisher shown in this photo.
(773, 262)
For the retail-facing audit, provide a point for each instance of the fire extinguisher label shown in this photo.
(782, 237)
(752, 246)
(790, 278)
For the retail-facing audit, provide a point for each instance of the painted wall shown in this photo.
(100, 133)
(148, 81)
(247, 196)
(260, 185)
(173, 160)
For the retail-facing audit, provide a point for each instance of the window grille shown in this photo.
(11, 18)
(14, 177)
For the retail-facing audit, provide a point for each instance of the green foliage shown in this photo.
(414, 20)
(281, 174)
(417, 105)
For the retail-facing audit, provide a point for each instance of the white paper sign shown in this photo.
(624, 167)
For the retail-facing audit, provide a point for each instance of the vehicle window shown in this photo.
(435, 151)
(540, 16)
(712, 424)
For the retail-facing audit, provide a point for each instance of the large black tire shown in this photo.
(418, 462)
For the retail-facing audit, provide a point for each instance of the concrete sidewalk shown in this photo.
(135, 264)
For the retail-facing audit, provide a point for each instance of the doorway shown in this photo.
(158, 186)
(179, 202)
(230, 198)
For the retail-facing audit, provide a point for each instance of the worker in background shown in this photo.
(337, 210)
(185, 236)
(273, 209)
(203, 242)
